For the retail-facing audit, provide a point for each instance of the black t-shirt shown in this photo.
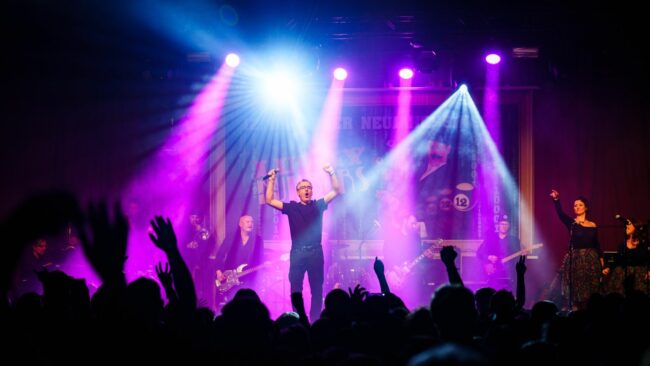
(494, 245)
(243, 253)
(232, 253)
(638, 256)
(305, 222)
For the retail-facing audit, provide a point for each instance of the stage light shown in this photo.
(232, 60)
(406, 73)
(280, 87)
(340, 74)
(492, 58)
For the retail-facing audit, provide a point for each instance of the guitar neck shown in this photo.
(414, 262)
(517, 254)
(420, 257)
(511, 256)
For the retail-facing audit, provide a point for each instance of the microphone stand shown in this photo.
(360, 261)
(364, 235)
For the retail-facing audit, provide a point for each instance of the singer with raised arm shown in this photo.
(582, 265)
(306, 226)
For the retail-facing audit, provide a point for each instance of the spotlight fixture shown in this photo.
(232, 60)
(279, 88)
(406, 73)
(493, 58)
(340, 73)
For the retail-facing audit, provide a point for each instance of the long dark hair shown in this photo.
(640, 230)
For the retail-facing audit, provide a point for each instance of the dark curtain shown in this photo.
(592, 141)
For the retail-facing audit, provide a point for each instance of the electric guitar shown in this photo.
(492, 268)
(232, 276)
(399, 275)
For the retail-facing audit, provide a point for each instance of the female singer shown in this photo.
(631, 262)
(581, 272)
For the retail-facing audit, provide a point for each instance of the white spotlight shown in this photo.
(280, 87)
(232, 60)
(340, 73)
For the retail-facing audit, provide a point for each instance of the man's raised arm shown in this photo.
(336, 185)
(270, 186)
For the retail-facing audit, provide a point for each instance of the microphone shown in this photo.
(269, 175)
(623, 219)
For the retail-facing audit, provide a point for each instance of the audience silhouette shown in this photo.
(132, 322)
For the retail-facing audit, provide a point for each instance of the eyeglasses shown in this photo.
(304, 187)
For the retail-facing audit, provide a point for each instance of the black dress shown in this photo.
(584, 271)
(636, 261)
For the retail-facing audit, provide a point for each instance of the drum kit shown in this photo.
(351, 263)
(348, 273)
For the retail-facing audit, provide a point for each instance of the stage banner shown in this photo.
(449, 193)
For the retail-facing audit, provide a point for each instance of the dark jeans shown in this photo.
(308, 260)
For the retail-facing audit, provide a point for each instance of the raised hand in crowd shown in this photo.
(357, 297)
(378, 267)
(105, 247)
(298, 304)
(520, 267)
(358, 294)
(164, 238)
(448, 256)
(165, 277)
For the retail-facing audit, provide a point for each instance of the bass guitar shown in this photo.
(231, 277)
(399, 275)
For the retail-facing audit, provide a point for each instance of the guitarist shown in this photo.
(495, 247)
(242, 247)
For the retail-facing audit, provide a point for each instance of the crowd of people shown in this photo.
(133, 322)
